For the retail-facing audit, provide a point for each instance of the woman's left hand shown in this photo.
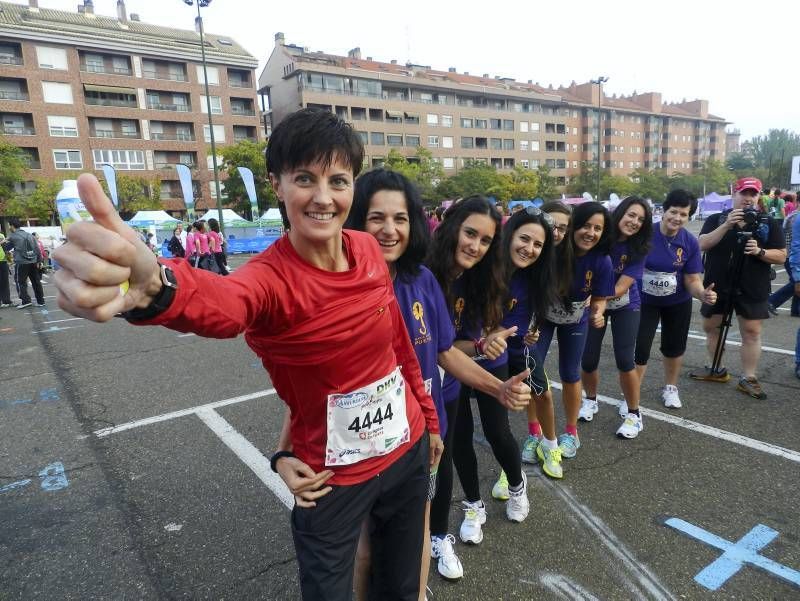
(436, 449)
(531, 337)
(709, 297)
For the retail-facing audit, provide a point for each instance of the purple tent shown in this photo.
(712, 204)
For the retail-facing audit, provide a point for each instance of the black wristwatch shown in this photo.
(761, 252)
(273, 461)
(161, 301)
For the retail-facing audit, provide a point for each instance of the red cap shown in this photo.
(747, 183)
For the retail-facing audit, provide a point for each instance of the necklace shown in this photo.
(669, 241)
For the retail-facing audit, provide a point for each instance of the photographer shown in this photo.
(740, 230)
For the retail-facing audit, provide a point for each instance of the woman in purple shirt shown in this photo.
(632, 231)
(585, 282)
(671, 278)
(388, 206)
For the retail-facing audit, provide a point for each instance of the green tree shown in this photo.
(524, 183)
(475, 178)
(548, 189)
(39, 204)
(13, 164)
(251, 155)
(585, 181)
(774, 153)
(652, 184)
(739, 162)
(422, 170)
(136, 194)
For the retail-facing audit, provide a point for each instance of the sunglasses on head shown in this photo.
(536, 212)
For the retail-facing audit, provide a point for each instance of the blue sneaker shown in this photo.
(569, 445)
(529, 448)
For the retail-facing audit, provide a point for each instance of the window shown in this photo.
(412, 141)
(523, 126)
(534, 163)
(67, 159)
(508, 144)
(219, 133)
(448, 163)
(496, 144)
(376, 138)
(212, 186)
(216, 105)
(132, 160)
(213, 75)
(64, 127)
(447, 141)
(481, 124)
(535, 145)
(508, 124)
(467, 142)
(525, 163)
(57, 93)
(495, 123)
(51, 58)
(120, 64)
(94, 63)
(364, 137)
(432, 119)
(129, 129)
(523, 145)
(447, 120)
(534, 126)
(394, 139)
(466, 122)
(433, 141)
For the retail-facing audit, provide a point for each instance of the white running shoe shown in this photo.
(623, 409)
(588, 409)
(631, 427)
(449, 565)
(474, 517)
(669, 394)
(517, 506)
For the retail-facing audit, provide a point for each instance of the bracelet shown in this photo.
(273, 461)
(479, 346)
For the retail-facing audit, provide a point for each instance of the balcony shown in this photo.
(242, 111)
(165, 75)
(112, 133)
(10, 95)
(239, 83)
(111, 102)
(161, 106)
(172, 165)
(17, 130)
(179, 137)
(10, 59)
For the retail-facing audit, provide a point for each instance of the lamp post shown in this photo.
(204, 4)
(599, 81)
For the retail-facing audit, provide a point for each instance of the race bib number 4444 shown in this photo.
(367, 422)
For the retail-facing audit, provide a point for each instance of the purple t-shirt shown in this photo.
(666, 264)
(623, 265)
(592, 276)
(518, 312)
(428, 323)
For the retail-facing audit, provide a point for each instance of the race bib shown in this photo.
(557, 313)
(367, 422)
(428, 385)
(659, 283)
(619, 302)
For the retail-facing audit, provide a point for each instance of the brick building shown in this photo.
(506, 123)
(78, 90)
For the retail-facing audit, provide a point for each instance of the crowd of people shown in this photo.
(379, 324)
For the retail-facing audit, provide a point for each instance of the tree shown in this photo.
(524, 183)
(774, 152)
(13, 164)
(585, 181)
(136, 194)
(422, 170)
(651, 184)
(39, 204)
(251, 155)
(475, 178)
(547, 183)
(739, 162)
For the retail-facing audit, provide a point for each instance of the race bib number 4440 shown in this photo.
(659, 283)
(367, 422)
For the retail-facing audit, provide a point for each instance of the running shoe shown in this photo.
(551, 461)
(448, 564)
(772, 310)
(529, 448)
(6, 305)
(631, 427)
(751, 387)
(569, 445)
(669, 394)
(474, 517)
(41, 304)
(706, 375)
(588, 409)
(518, 506)
(23, 305)
(622, 409)
(500, 488)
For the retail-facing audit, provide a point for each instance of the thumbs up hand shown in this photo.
(709, 297)
(516, 394)
(495, 343)
(101, 256)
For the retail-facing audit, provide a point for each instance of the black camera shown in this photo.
(752, 219)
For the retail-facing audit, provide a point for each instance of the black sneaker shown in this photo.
(41, 305)
(23, 305)
(772, 310)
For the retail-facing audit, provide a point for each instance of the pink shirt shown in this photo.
(217, 241)
(203, 238)
(190, 245)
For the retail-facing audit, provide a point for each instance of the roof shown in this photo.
(44, 22)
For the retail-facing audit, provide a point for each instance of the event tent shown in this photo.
(713, 203)
(149, 218)
(229, 216)
(271, 215)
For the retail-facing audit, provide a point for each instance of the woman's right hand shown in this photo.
(99, 257)
(302, 481)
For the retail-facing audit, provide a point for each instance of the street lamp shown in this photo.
(204, 4)
(599, 81)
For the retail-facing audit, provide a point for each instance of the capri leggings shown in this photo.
(440, 505)
(624, 329)
(496, 429)
(571, 340)
(675, 320)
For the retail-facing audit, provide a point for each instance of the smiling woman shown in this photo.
(361, 432)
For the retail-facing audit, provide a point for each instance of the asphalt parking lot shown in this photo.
(132, 466)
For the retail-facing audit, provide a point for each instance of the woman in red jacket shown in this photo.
(318, 309)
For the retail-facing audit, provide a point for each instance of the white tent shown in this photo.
(271, 215)
(148, 218)
(229, 216)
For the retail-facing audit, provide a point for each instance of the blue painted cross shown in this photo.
(735, 555)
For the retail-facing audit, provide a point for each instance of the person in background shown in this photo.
(175, 245)
(27, 256)
(794, 265)
(5, 289)
(789, 203)
(788, 290)
(219, 253)
(190, 246)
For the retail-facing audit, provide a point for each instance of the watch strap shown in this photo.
(161, 301)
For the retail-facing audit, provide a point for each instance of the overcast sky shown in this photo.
(737, 55)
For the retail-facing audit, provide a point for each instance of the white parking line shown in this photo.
(752, 443)
(63, 320)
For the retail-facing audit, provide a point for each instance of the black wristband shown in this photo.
(273, 461)
(160, 302)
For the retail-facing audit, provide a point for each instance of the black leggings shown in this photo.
(675, 321)
(440, 505)
(494, 419)
(624, 328)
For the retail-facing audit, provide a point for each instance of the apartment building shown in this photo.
(78, 90)
(497, 120)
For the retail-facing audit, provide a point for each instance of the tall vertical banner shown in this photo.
(185, 176)
(111, 180)
(250, 186)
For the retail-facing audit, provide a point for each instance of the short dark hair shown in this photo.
(680, 198)
(639, 243)
(419, 237)
(311, 136)
(581, 214)
(15, 223)
(213, 225)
